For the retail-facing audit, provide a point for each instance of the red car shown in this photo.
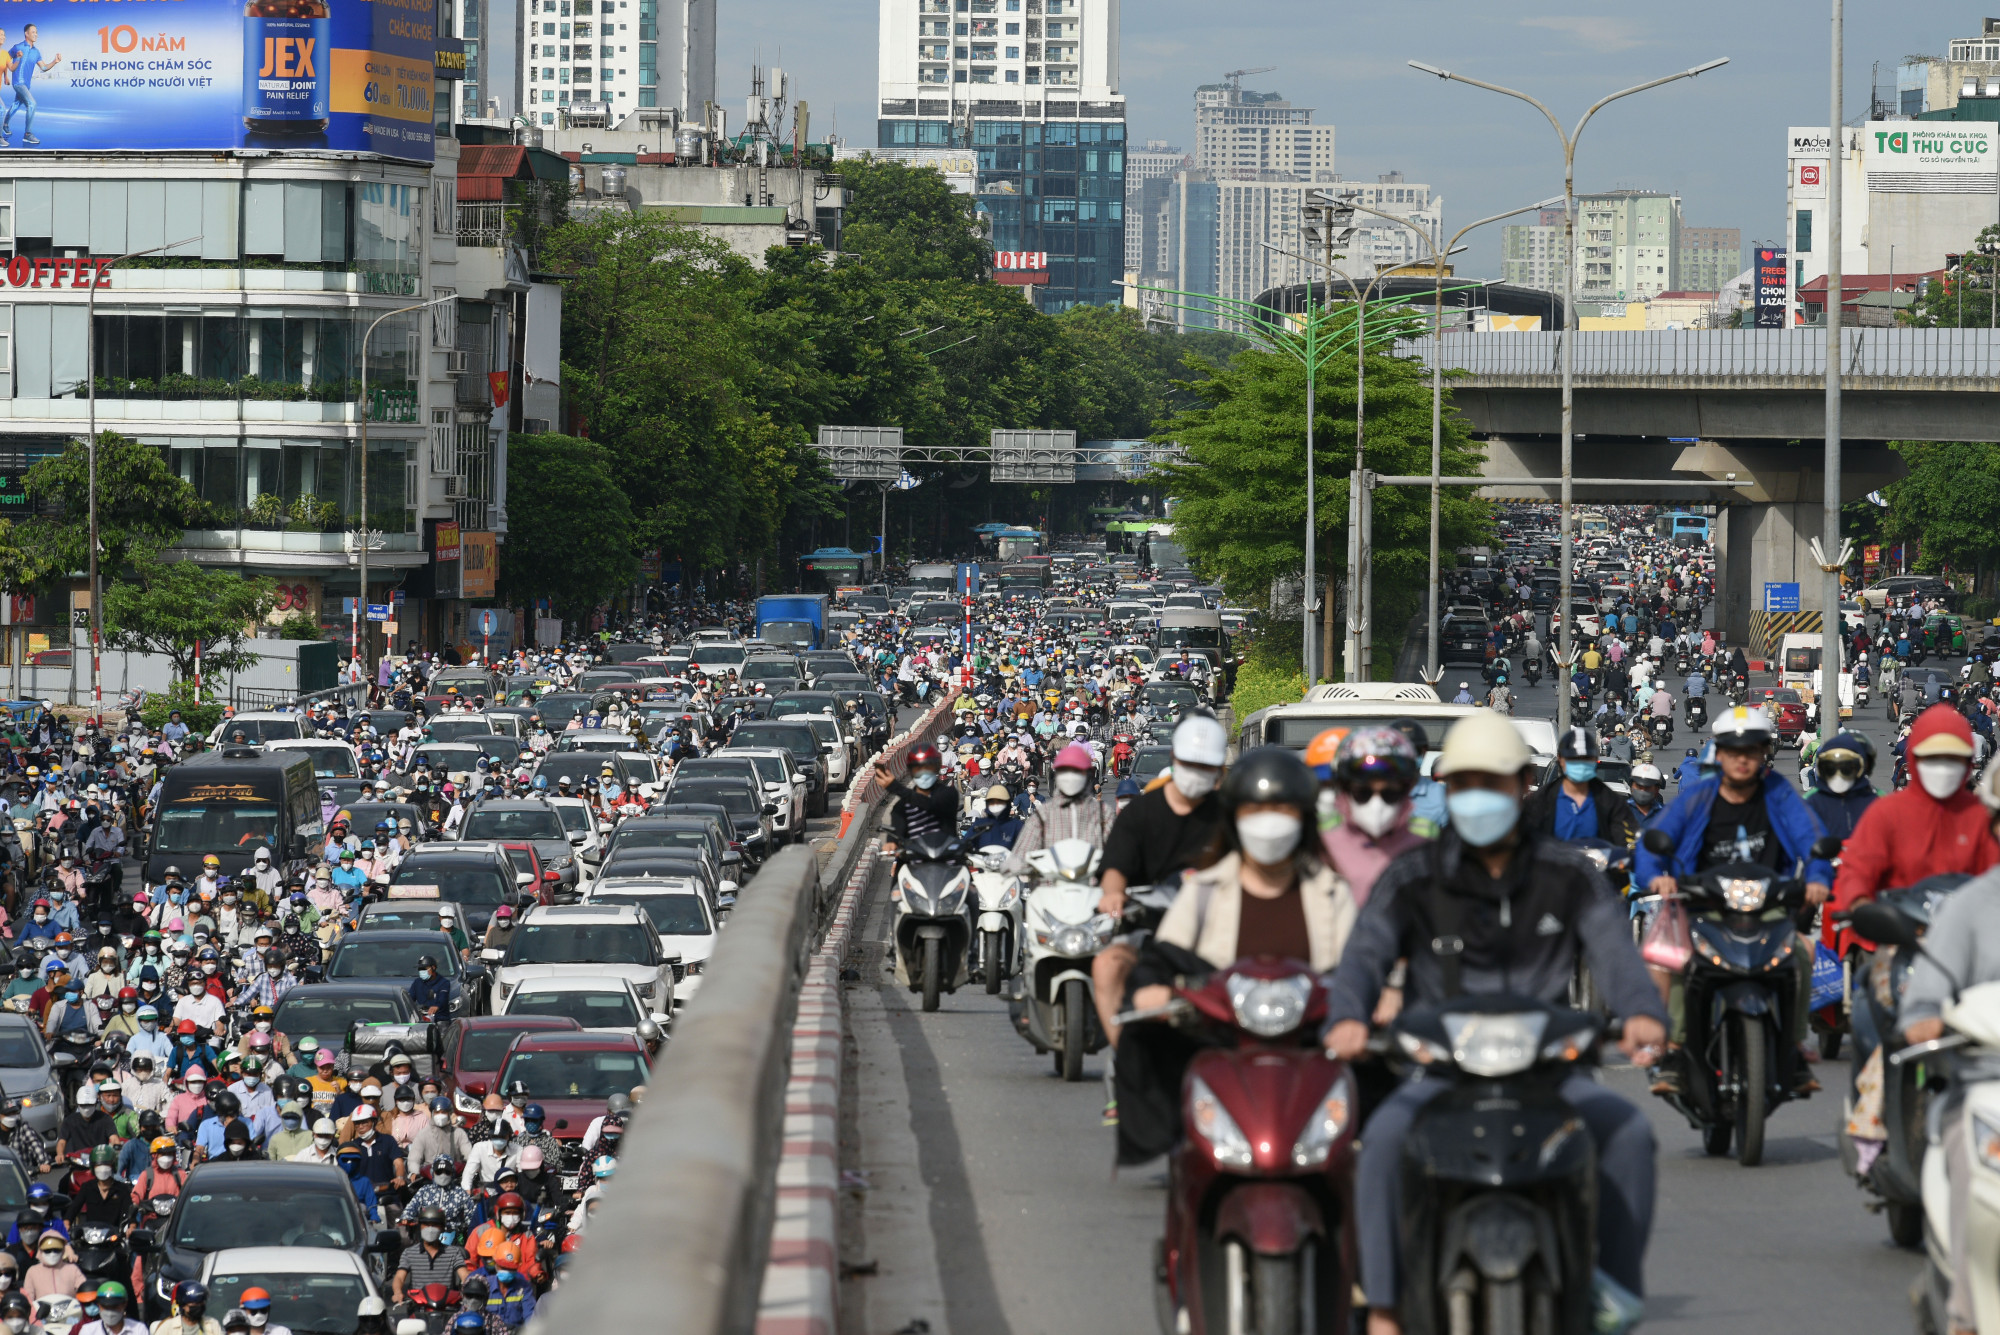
(1787, 709)
(571, 1075)
(522, 854)
(475, 1048)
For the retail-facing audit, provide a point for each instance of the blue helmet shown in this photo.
(1128, 787)
(533, 1113)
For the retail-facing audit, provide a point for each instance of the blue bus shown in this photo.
(1682, 528)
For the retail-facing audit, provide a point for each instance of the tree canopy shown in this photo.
(570, 534)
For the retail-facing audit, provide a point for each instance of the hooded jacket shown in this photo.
(1686, 819)
(1909, 835)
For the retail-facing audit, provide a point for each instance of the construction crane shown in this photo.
(1235, 77)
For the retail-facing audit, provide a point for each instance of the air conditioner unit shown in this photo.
(458, 361)
(535, 426)
(454, 487)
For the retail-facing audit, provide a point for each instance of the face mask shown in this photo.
(1269, 836)
(149, 1025)
(429, 1234)
(1375, 817)
(1194, 784)
(102, 1172)
(208, 967)
(258, 1320)
(1481, 816)
(194, 1086)
(996, 809)
(1070, 782)
(250, 1080)
(510, 1221)
(323, 1143)
(187, 1040)
(263, 1026)
(925, 780)
(10, 1122)
(164, 1161)
(440, 1119)
(1580, 771)
(17, 1324)
(1941, 778)
(52, 1258)
(505, 1276)
(41, 917)
(7, 1278)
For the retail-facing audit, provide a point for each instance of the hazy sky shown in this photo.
(1718, 140)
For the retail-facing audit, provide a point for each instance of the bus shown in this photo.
(1592, 521)
(1681, 527)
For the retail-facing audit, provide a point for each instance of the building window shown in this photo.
(1013, 76)
(958, 76)
(1802, 235)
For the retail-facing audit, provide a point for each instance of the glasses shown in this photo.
(1846, 766)
(1392, 793)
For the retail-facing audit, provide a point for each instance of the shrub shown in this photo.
(201, 713)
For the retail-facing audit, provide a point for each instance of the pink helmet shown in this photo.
(1075, 756)
(531, 1158)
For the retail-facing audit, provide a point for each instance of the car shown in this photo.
(766, 770)
(478, 876)
(1876, 597)
(580, 826)
(721, 881)
(572, 1075)
(589, 941)
(392, 953)
(454, 761)
(457, 727)
(257, 727)
(474, 1048)
(741, 798)
(329, 1011)
(800, 740)
(1787, 709)
(363, 817)
(28, 1075)
(607, 740)
(227, 1206)
(836, 743)
(682, 914)
(314, 1290)
(1148, 761)
(545, 884)
(331, 757)
(598, 1005)
(559, 708)
(417, 915)
(460, 684)
(534, 819)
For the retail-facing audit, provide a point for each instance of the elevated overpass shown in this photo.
(1731, 404)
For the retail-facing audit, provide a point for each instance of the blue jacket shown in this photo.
(1841, 812)
(987, 831)
(429, 992)
(1686, 819)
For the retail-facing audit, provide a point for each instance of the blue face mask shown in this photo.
(1580, 771)
(1481, 816)
(925, 779)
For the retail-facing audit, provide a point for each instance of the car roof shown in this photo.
(542, 1042)
(444, 848)
(384, 934)
(643, 885)
(581, 913)
(515, 1022)
(268, 1170)
(569, 982)
(285, 1260)
(341, 989)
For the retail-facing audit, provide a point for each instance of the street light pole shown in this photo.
(361, 537)
(1569, 140)
(90, 450)
(1836, 294)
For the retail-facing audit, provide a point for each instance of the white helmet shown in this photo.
(1647, 774)
(1743, 726)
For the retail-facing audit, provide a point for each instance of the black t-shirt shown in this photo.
(1149, 840)
(1740, 834)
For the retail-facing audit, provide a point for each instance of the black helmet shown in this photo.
(151, 1124)
(427, 962)
(1577, 743)
(432, 1214)
(225, 1103)
(1840, 747)
(1270, 774)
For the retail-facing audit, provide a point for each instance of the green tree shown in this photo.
(570, 527)
(906, 222)
(1948, 502)
(141, 504)
(168, 607)
(1963, 298)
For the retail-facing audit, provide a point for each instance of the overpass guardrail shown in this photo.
(1741, 358)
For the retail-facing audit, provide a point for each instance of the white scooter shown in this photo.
(1061, 932)
(998, 895)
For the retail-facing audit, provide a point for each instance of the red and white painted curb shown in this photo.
(801, 1294)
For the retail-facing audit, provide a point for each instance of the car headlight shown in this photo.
(1268, 1007)
(42, 1098)
(1327, 1122)
(1745, 894)
(1208, 1117)
(1495, 1045)
(696, 967)
(646, 989)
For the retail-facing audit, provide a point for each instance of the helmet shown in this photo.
(432, 1214)
(1745, 727)
(531, 1158)
(163, 1145)
(104, 1154)
(1375, 753)
(1270, 774)
(252, 1299)
(921, 756)
(603, 1167)
(1647, 774)
(1075, 756)
(1320, 752)
(1845, 750)
(533, 1113)
(189, 1291)
(509, 1200)
(618, 1105)
(427, 962)
(1577, 743)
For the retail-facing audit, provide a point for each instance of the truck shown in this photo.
(934, 577)
(797, 619)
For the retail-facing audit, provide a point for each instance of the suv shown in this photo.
(533, 819)
(740, 797)
(611, 940)
(784, 783)
(476, 875)
(800, 740)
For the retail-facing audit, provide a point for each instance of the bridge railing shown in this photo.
(1719, 354)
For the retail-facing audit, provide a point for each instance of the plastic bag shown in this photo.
(1828, 987)
(1666, 944)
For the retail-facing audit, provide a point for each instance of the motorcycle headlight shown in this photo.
(1208, 1117)
(914, 893)
(1323, 1128)
(1600, 857)
(1986, 1142)
(1745, 894)
(1494, 1045)
(952, 898)
(1075, 939)
(1268, 1007)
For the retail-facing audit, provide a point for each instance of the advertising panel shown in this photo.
(1929, 157)
(1769, 277)
(349, 75)
(480, 553)
(1808, 141)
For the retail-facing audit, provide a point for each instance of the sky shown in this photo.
(1717, 140)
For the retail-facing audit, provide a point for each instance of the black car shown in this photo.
(1463, 639)
(363, 817)
(513, 819)
(800, 740)
(558, 709)
(256, 1204)
(742, 799)
(390, 954)
(328, 1011)
(688, 862)
(478, 877)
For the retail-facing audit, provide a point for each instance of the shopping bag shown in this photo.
(1827, 987)
(1666, 944)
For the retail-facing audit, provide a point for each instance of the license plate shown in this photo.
(571, 1181)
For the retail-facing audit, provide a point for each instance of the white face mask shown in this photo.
(52, 1258)
(1377, 816)
(1268, 836)
(1839, 783)
(440, 1119)
(17, 1324)
(1941, 778)
(510, 1221)
(1194, 783)
(1070, 782)
(102, 1172)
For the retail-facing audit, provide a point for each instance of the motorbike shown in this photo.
(1660, 727)
(1261, 1184)
(1616, 864)
(433, 1304)
(1697, 712)
(1895, 1178)
(998, 896)
(932, 927)
(1499, 1196)
(1533, 670)
(1683, 660)
(1738, 1060)
(101, 1253)
(1061, 933)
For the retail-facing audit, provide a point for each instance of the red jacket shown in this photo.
(1903, 838)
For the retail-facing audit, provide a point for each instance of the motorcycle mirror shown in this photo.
(1657, 843)
(1826, 846)
(1884, 925)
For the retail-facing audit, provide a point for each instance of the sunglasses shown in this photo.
(1392, 793)
(1849, 768)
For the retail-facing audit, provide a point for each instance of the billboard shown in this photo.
(1806, 141)
(347, 75)
(481, 555)
(1769, 277)
(1930, 157)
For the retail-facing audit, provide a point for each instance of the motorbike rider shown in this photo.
(1075, 812)
(1647, 783)
(926, 805)
(998, 826)
(1271, 893)
(1961, 950)
(1366, 816)
(1843, 791)
(1468, 913)
(1746, 813)
(1582, 806)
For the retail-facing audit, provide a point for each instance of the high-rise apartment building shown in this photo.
(1531, 253)
(1257, 132)
(1628, 245)
(1032, 87)
(1377, 244)
(1157, 161)
(1710, 257)
(586, 62)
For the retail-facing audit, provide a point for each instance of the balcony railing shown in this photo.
(482, 224)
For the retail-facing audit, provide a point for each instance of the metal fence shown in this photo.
(1906, 355)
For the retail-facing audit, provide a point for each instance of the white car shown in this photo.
(312, 1288)
(331, 757)
(784, 782)
(562, 941)
(681, 915)
(835, 744)
(606, 1005)
(259, 727)
(580, 824)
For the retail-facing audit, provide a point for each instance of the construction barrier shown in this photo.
(1769, 629)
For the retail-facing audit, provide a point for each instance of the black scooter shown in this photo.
(1499, 1195)
(1697, 712)
(1660, 727)
(1738, 1063)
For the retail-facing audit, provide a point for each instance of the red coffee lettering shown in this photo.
(103, 274)
(17, 271)
(61, 265)
(42, 265)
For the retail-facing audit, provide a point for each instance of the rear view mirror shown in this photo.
(491, 955)
(1884, 925)
(1826, 846)
(524, 878)
(1657, 843)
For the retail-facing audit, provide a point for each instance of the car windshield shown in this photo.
(525, 823)
(261, 729)
(282, 1212)
(558, 710)
(579, 943)
(330, 760)
(774, 670)
(20, 1046)
(575, 819)
(328, 1019)
(575, 1074)
(631, 837)
(461, 883)
(485, 1048)
(730, 796)
(770, 769)
(672, 915)
(445, 728)
(718, 655)
(804, 704)
(359, 957)
(394, 915)
(208, 827)
(593, 1010)
(307, 1304)
(788, 736)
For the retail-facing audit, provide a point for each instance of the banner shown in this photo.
(1768, 275)
(480, 553)
(1930, 157)
(147, 75)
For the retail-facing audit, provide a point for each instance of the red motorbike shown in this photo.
(1261, 1184)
